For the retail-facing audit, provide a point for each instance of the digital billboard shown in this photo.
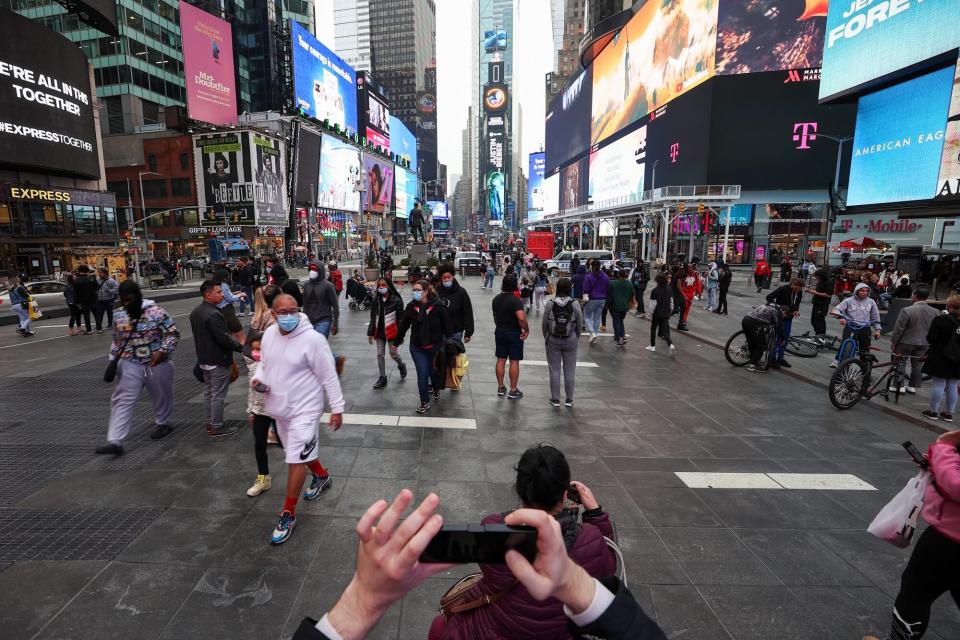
(766, 132)
(405, 187)
(208, 66)
(667, 48)
(378, 197)
(495, 163)
(678, 139)
(617, 169)
(496, 186)
(495, 98)
(762, 36)
(46, 104)
(870, 40)
(438, 210)
(494, 40)
(551, 193)
(568, 121)
(270, 185)
(225, 179)
(341, 175)
(402, 142)
(535, 195)
(949, 181)
(307, 166)
(573, 184)
(899, 140)
(324, 85)
(376, 114)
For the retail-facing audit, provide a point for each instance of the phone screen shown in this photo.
(487, 544)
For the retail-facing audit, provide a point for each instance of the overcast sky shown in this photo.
(532, 55)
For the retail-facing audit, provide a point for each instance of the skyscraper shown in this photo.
(351, 25)
(403, 42)
(568, 19)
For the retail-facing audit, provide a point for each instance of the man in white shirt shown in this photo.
(296, 370)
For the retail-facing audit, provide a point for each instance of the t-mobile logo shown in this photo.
(804, 133)
(674, 151)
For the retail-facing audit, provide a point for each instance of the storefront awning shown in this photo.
(859, 243)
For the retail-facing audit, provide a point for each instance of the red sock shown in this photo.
(290, 504)
(317, 468)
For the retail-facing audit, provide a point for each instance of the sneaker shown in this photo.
(219, 432)
(651, 349)
(515, 394)
(682, 327)
(436, 395)
(162, 431)
(501, 391)
(284, 528)
(263, 483)
(110, 449)
(380, 383)
(99, 330)
(340, 360)
(946, 417)
(403, 370)
(673, 350)
(272, 437)
(754, 368)
(784, 364)
(933, 415)
(568, 403)
(593, 338)
(554, 402)
(423, 407)
(911, 389)
(834, 364)
(317, 486)
(894, 389)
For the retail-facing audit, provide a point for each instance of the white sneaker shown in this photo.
(651, 349)
(911, 389)
(834, 364)
(673, 350)
(894, 389)
(593, 338)
(263, 483)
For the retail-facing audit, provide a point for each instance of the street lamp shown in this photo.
(143, 209)
(840, 140)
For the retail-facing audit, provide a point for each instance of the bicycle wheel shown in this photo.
(738, 349)
(846, 383)
(802, 347)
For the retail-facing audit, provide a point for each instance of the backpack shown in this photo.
(562, 320)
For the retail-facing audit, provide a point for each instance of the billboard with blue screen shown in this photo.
(869, 40)
(535, 195)
(402, 142)
(438, 209)
(899, 139)
(406, 191)
(324, 85)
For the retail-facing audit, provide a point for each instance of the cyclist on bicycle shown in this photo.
(757, 324)
(858, 314)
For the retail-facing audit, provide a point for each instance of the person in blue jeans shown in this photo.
(596, 287)
(429, 325)
(788, 295)
(322, 306)
(489, 271)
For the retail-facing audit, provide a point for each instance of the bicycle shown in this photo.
(737, 349)
(853, 380)
(809, 346)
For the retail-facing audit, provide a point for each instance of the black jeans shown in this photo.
(722, 304)
(84, 311)
(74, 315)
(261, 427)
(934, 569)
(103, 307)
(659, 326)
(818, 318)
(638, 292)
(864, 336)
(756, 333)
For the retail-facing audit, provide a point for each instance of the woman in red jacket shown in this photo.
(690, 285)
(543, 482)
(760, 273)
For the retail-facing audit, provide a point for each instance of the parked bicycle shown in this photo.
(807, 345)
(853, 380)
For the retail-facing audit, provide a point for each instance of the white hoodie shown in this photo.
(298, 368)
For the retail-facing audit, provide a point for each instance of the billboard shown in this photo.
(535, 195)
(667, 48)
(761, 36)
(46, 104)
(568, 121)
(308, 166)
(551, 193)
(899, 140)
(495, 98)
(375, 114)
(496, 186)
(270, 184)
(949, 182)
(402, 142)
(765, 132)
(870, 40)
(495, 161)
(378, 197)
(208, 66)
(406, 191)
(225, 179)
(341, 173)
(573, 184)
(617, 170)
(325, 87)
(494, 40)
(678, 139)
(438, 210)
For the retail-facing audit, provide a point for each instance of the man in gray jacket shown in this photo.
(909, 336)
(320, 302)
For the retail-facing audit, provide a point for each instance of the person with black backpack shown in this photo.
(562, 324)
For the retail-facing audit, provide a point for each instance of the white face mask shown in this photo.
(314, 275)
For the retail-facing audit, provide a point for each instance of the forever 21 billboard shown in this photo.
(46, 106)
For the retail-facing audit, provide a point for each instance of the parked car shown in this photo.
(47, 294)
(199, 262)
(560, 263)
(467, 262)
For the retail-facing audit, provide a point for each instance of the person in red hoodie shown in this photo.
(508, 609)
(934, 567)
(690, 285)
(761, 273)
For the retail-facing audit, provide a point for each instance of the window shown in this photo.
(184, 162)
(180, 186)
(154, 189)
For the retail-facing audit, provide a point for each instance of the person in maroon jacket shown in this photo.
(543, 482)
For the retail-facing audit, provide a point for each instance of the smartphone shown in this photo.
(488, 544)
(916, 454)
(573, 495)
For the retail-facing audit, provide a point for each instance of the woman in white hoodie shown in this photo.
(562, 324)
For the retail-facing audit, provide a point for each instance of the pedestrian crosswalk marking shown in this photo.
(543, 363)
(794, 481)
(375, 420)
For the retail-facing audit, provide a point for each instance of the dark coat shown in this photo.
(379, 308)
(783, 295)
(726, 277)
(291, 287)
(85, 289)
(427, 322)
(937, 365)
(459, 307)
(278, 275)
(212, 339)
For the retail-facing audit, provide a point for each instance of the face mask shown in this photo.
(269, 269)
(255, 354)
(288, 323)
(417, 295)
(314, 275)
(383, 290)
(448, 284)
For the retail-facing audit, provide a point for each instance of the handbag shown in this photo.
(111, 372)
(453, 601)
(390, 326)
(34, 310)
(897, 521)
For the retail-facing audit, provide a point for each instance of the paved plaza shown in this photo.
(164, 543)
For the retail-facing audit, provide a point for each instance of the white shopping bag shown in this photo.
(897, 521)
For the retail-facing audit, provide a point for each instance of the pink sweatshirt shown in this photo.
(941, 504)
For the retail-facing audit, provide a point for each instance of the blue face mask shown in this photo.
(383, 290)
(448, 283)
(288, 323)
(417, 295)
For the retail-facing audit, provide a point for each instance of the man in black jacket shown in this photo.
(245, 279)
(457, 301)
(85, 286)
(786, 295)
(215, 348)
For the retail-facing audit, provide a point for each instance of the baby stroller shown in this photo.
(359, 296)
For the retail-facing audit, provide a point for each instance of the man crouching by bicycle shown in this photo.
(858, 314)
(757, 325)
